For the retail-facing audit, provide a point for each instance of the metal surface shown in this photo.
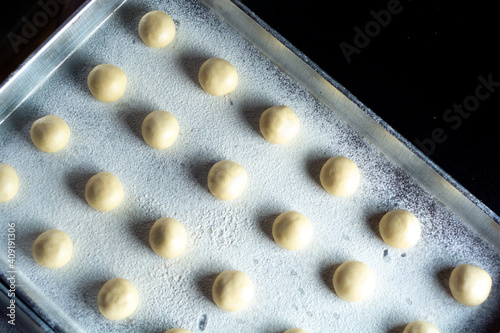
(53, 52)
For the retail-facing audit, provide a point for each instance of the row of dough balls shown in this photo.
(232, 290)
(216, 76)
(278, 124)
(160, 129)
(107, 82)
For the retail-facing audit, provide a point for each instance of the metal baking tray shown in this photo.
(293, 288)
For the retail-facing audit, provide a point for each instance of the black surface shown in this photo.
(414, 72)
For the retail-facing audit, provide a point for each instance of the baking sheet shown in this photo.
(293, 288)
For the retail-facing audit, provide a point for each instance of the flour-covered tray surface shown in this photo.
(292, 288)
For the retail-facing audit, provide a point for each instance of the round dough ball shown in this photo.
(52, 249)
(232, 290)
(157, 29)
(400, 229)
(50, 134)
(107, 83)
(279, 124)
(420, 326)
(104, 191)
(470, 285)
(340, 176)
(295, 330)
(177, 330)
(160, 129)
(227, 180)
(292, 230)
(117, 299)
(218, 77)
(354, 281)
(9, 182)
(167, 237)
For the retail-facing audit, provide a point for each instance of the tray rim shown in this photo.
(29, 307)
(10, 83)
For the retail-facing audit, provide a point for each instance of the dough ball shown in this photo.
(400, 229)
(9, 182)
(292, 230)
(420, 326)
(167, 237)
(50, 134)
(104, 191)
(227, 180)
(117, 299)
(232, 290)
(52, 249)
(218, 77)
(340, 176)
(107, 83)
(295, 330)
(354, 281)
(470, 285)
(157, 29)
(279, 124)
(160, 129)
(177, 330)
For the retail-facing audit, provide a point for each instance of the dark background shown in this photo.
(425, 60)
